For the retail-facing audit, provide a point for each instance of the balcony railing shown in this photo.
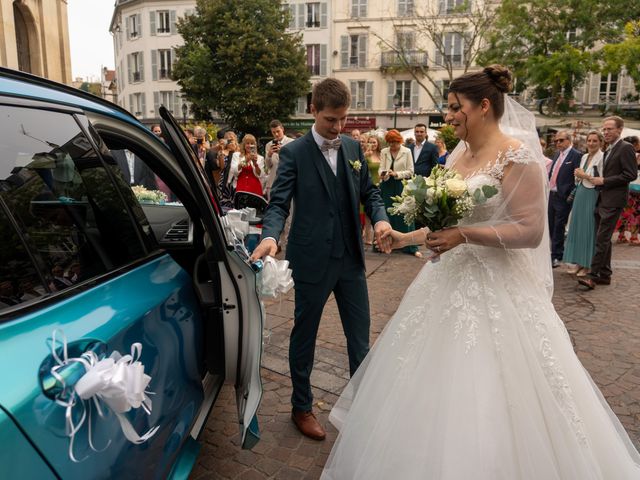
(164, 73)
(136, 76)
(314, 69)
(409, 59)
(313, 24)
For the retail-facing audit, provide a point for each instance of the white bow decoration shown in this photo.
(275, 277)
(118, 381)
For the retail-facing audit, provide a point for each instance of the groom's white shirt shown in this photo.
(331, 155)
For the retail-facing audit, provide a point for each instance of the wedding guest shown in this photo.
(396, 164)
(372, 155)
(227, 146)
(272, 150)
(629, 220)
(442, 150)
(561, 183)
(581, 239)
(619, 168)
(246, 173)
(325, 250)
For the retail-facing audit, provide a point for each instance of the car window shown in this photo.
(62, 198)
(19, 279)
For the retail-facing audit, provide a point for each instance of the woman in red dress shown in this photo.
(247, 168)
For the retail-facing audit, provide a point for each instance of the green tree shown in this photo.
(239, 61)
(448, 135)
(550, 44)
(624, 55)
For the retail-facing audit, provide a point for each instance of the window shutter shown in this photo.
(438, 95)
(323, 15)
(362, 51)
(126, 28)
(415, 96)
(301, 15)
(391, 91)
(363, 8)
(156, 103)
(594, 89)
(129, 69)
(344, 51)
(172, 21)
(353, 86)
(176, 103)
(354, 8)
(442, 6)
(323, 60)
(143, 105)
(154, 64)
(292, 17)
(152, 23)
(141, 65)
(368, 99)
(438, 52)
(402, 7)
(302, 105)
(139, 24)
(459, 49)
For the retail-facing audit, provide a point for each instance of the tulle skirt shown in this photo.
(475, 377)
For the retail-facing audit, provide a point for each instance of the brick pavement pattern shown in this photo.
(604, 325)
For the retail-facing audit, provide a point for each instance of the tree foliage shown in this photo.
(238, 60)
(625, 54)
(551, 45)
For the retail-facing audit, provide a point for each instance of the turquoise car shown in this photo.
(112, 238)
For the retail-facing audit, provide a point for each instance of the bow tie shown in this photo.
(331, 144)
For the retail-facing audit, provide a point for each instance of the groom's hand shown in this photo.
(382, 231)
(267, 246)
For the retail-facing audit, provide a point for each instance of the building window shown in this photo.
(405, 41)
(440, 95)
(454, 6)
(358, 8)
(405, 8)
(313, 59)
(134, 29)
(164, 64)
(164, 22)
(403, 91)
(136, 69)
(137, 104)
(313, 15)
(609, 88)
(451, 50)
(353, 51)
(361, 95)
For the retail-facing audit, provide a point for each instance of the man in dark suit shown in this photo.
(326, 175)
(135, 171)
(425, 154)
(561, 183)
(619, 169)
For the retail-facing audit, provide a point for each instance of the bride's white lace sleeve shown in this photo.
(519, 221)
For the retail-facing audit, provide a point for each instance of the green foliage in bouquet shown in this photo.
(440, 200)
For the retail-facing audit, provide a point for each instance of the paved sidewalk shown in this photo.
(604, 325)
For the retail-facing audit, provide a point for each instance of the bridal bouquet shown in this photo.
(144, 195)
(440, 200)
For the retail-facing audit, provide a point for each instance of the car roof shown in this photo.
(24, 85)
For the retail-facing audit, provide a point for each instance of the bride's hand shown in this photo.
(397, 239)
(444, 240)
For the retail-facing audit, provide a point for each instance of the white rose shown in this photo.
(456, 187)
(430, 182)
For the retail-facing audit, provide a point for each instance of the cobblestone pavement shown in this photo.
(604, 325)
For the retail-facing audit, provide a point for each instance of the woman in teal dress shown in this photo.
(396, 164)
(372, 154)
(580, 245)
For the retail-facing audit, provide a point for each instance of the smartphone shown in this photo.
(253, 149)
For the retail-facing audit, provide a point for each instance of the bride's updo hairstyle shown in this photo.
(490, 83)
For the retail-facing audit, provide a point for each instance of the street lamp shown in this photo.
(396, 104)
(185, 109)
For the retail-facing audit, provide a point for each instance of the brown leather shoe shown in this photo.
(602, 280)
(308, 424)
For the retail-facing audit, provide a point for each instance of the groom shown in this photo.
(326, 175)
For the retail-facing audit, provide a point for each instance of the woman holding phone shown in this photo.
(246, 173)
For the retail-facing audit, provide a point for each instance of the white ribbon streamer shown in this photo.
(275, 278)
(118, 381)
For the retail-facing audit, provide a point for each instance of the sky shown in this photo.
(89, 38)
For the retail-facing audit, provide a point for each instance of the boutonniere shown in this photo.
(355, 165)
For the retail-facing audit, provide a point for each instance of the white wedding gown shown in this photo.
(475, 378)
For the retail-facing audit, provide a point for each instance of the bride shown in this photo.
(475, 376)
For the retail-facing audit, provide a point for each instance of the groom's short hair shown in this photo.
(331, 93)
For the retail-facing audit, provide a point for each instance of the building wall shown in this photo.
(43, 26)
(142, 94)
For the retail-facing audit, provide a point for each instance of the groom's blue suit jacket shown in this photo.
(302, 177)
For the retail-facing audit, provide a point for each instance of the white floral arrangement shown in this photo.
(355, 165)
(144, 195)
(439, 200)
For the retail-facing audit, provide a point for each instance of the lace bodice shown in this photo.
(492, 174)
